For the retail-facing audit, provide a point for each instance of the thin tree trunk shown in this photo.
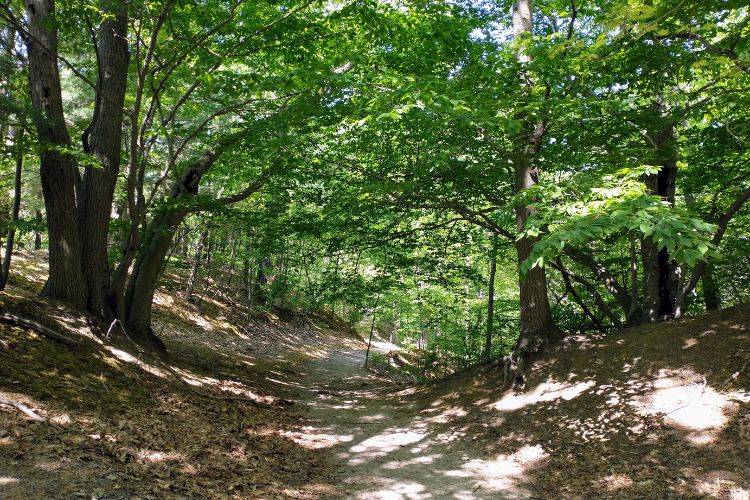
(196, 266)
(37, 232)
(372, 329)
(10, 238)
(634, 313)
(491, 300)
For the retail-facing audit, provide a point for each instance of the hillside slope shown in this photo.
(276, 404)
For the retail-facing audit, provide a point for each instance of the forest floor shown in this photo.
(277, 404)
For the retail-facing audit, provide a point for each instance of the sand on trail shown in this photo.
(388, 447)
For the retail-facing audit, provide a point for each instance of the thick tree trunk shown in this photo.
(10, 238)
(537, 326)
(103, 140)
(58, 172)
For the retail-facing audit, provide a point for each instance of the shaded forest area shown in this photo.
(438, 187)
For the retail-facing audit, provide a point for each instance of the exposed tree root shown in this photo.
(33, 325)
(529, 348)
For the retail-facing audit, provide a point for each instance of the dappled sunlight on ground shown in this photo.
(547, 391)
(503, 472)
(685, 399)
(654, 412)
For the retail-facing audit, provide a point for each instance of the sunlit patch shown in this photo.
(544, 392)
(314, 439)
(685, 399)
(420, 460)
(63, 419)
(615, 482)
(446, 415)
(690, 343)
(153, 456)
(383, 444)
(7, 480)
(719, 484)
(372, 418)
(388, 489)
(504, 472)
(130, 359)
(48, 466)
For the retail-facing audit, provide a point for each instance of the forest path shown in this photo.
(386, 446)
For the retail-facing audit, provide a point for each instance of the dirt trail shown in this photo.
(387, 447)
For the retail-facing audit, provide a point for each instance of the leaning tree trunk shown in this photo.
(58, 172)
(146, 270)
(103, 140)
(158, 235)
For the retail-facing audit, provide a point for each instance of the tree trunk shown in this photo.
(661, 282)
(711, 295)
(491, 300)
(634, 314)
(158, 235)
(37, 232)
(190, 288)
(5, 269)
(58, 172)
(537, 326)
(146, 269)
(103, 140)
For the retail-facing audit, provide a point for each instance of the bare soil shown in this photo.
(277, 404)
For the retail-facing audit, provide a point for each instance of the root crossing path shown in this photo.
(389, 443)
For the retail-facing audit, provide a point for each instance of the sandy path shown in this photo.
(387, 447)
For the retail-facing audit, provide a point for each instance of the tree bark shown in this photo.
(158, 235)
(10, 238)
(103, 140)
(661, 281)
(537, 326)
(491, 300)
(711, 294)
(536, 319)
(190, 288)
(37, 232)
(722, 225)
(57, 171)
